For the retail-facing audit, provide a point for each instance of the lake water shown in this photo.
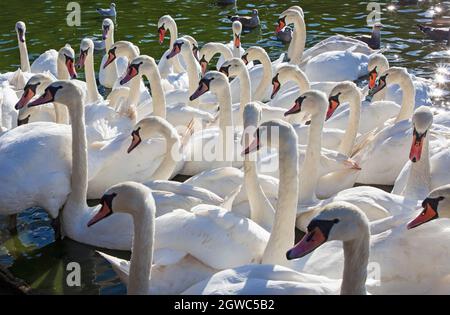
(33, 254)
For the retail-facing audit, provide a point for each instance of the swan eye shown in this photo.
(245, 58)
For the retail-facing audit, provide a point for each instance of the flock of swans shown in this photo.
(230, 227)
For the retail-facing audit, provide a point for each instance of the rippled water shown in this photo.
(34, 255)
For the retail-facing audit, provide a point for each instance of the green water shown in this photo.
(34, 255)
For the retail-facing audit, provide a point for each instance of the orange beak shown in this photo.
(416, 147)
(332, 108)
(280, 26)
(372, 80)
(237, 41)
(71, 68)
(111, 58)
(136, 140)
(26, 97)
(104, 212)
(425, 216)
(131, 73)
(162, 34)
(308, 243)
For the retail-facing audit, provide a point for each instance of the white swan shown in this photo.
(178, 254)
(209, 50)
(179, 115)
(45, 62)
(184, 47)
(108, 76)
(236, 68)
(378, 64)
(390, 253)
(235, 45)
(433, 172)
(338, 221)
(167, 67)
(213, 147)
(336, 58)
(376, 151)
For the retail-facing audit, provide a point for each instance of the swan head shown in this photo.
(341, 92)
(285, 74)
(64, 92)
(21, 29)
(212, 81)
(436, 205)
(207, 53)
(269, 133)
(150, 127)
(289, 16)
(337, 221)
(181, 46)
(378, 64)
(127, 197)
(119, 49)
(66, 56)
(86, 48)
(162, 26)
(311, 102)
(237, 31)
(394, 75)
(421, 121)
(35, 85)
(233, 67)
(253, 53)
(194, 44)
(107, 28)
(138, 66)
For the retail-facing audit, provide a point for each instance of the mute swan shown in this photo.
(129, 51)
(375, 203)
(213, 147)
(235, 44)
(434, 173)
(338, 221)
(45, 62)
(260, 75)
(390, 259)
(378, 64)
(236, 68)
(392, 140)
(142, 210)
(222, 233)
(209, 50)
(183, 46)
(336, 58)
(108, 76)
(179, 115)
(435, 206)
(172, 66)
(86, 60)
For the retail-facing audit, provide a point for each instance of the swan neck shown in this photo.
(351, 132)
(134, 95)
(158, 95)
(300, 40)
(193, 75)
(309, 173)
(408, 99)
(283, 230)
(169, 163)
(90, 79)
(419, 179)
(266, 81)
(142, 253)
(110, 40)
(245, 97)
(62, 72)
(226, 135)
(61, 114)
(24, 61)
(79, 180)
(299, 77)
(356, 260)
